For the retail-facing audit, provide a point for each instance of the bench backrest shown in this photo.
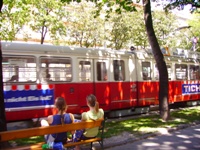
(39, 131)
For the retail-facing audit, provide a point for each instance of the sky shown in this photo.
(183, 14)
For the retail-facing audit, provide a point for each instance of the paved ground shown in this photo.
(185, 137)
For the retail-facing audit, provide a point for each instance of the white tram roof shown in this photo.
(172, 55)
(34, 48)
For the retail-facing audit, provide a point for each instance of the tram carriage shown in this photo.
(124, 82)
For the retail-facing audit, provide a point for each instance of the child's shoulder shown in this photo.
(101, 110)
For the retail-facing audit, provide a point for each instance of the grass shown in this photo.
(138, 126)
(152, 123)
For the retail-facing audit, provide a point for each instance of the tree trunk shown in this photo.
(159, 58)
(1, 4)
(3, 126)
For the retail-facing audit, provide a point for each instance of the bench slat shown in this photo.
(38, 131)
(82, 142)
(38, 146)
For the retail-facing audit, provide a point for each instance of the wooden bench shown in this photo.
(41, 131)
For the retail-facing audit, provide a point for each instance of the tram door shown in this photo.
(120, 85)
(85, 81)
(147, 88)
(101, 82)
(93, 79)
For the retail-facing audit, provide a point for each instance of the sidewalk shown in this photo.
(184, 139)
(127, 138)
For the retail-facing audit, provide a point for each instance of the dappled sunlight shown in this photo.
(183, 136)
(197, 129)
(146, 130)
(178, 119)
(106, 94)
(162, 130)
(157, 135)
(187, 141)
(178, 140)
(167, 143)
(127, 125)
(120, 89)
(197, 135)
(151, 130)
(181, 147)
(151, 144)
(188, 114)
(151, 124)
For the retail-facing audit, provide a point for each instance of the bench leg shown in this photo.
(101, 143)
(91, 144)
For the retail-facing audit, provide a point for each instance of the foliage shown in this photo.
(186, 34)
(195, 4)
(119, 30)
(195, 24)
(138, 33)
(125, 28)
(194, 28)
(47, 16)
(184, 38)
(83, 28)
(14, 15)
(164, 25)
(110, 5)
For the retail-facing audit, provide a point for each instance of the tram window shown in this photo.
(156, 74)
(181, 71)
(119, 70)
(194, 72)
(146, 70)
(169, 70)
(85, 71)
(101, 71)
(19, 68)
(55, 69)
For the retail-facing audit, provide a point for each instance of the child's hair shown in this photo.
(61, 105)
(92, 101)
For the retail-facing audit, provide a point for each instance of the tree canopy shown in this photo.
(112, 30)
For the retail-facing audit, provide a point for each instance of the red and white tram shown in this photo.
(124, 82)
